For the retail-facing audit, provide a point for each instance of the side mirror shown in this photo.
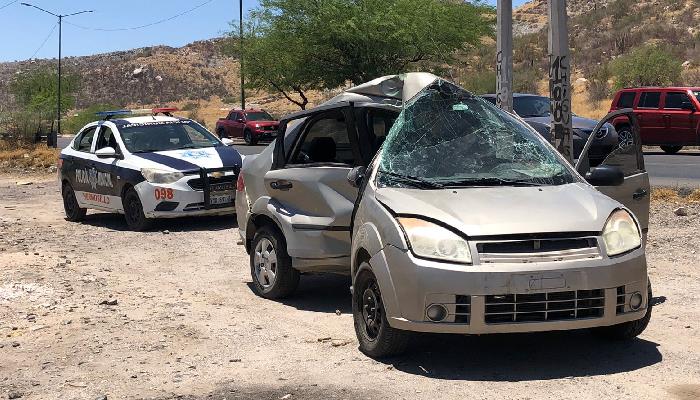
(106, 152)
(241, 120)
(686, 105)
(356, 176)
(227, 142)
(605, 175)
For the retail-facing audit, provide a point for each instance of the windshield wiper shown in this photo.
(488, 182)
(413, 181)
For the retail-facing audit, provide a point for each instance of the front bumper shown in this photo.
(504, 298)
(190, 196)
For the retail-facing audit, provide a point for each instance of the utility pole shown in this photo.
(504, 55)
(60, 17)
(240, 56)
(560, 79)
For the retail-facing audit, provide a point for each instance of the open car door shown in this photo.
(635, 192)
(308, 185)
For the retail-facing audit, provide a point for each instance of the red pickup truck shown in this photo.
(668, 117)
(252, 125)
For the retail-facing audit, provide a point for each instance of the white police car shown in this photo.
(148, 167)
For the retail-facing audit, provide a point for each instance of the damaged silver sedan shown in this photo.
(458, 219)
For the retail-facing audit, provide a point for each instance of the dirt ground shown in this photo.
(93, 311)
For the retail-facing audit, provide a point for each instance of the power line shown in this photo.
(44, 42)
(8, 4)
(143, 26)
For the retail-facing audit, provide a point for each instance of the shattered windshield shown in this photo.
(446, 137)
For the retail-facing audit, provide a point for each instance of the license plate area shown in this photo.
(221, 198)
(218, 194)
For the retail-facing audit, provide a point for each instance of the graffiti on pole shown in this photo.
(499, 79)
(559, 91)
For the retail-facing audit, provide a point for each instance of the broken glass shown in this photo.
(450, 138)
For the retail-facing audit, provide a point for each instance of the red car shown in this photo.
(252, 125)
(668, 117)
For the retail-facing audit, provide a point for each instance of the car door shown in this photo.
(108, 187)
(238, 124)
(635, 191)
(308, 184)
(679, 120)
(651, 121)
(80, 164)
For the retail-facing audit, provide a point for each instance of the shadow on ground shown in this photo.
(524, 357)
(185, 224)
(302, 392)
(662, 153)
(324, 293)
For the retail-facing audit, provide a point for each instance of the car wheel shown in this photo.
(133, 212)
(221, 133)
(625, 136)
(377, 339)
(70, 205)
(671, 149)
(627, 330)
(271, 266)
(249, 139)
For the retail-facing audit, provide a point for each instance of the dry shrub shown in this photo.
(694, 196)
(35, 156)
(664, 194)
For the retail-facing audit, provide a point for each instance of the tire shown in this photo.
(271, 266)
(377, 339)
(133, 212)
(70, 205)
(221, 133)
(249, 139)
(671, 149)
(627, 330)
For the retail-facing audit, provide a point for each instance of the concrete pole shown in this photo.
(240, 38)
(560, 79)
(504, 55)
(54, 143)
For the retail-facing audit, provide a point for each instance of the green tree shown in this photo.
(81, 118)
(648, 65)
(36, 90)
(292, 46)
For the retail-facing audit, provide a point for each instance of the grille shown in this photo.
(538, 250)
(621, 297)
(543, 307)
(198, 184)
(463, 309)
(269, 128)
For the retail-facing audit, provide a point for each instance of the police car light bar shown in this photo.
(107, 115)
(167, 111)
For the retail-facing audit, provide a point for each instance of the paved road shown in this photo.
(682, 169)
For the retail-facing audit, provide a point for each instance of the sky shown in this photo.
(26, 32)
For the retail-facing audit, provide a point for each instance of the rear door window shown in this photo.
(649, 100)
(675, 100)
(626, 100)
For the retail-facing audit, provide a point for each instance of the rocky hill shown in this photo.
(150, 75)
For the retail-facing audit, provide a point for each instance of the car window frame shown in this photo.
(350, 128)
(115, 133)
(79, 138)
(666, 95)
(635, 97)
(645, 92)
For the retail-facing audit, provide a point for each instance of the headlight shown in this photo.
(621, 233)
(435, 242)
(153, 175)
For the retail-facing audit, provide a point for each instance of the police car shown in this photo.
(146, 167)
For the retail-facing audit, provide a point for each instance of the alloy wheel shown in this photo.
(371, 307)
(626, 138)
(265, 261)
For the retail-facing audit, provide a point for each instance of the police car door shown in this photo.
(108, 154)
(634, 192)
(308, 185)
(80, 168)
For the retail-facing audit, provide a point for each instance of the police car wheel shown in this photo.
(271, 266)
(70, 204)
(133, 212)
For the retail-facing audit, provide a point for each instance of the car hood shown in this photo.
(193, 159)
(490, 211)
